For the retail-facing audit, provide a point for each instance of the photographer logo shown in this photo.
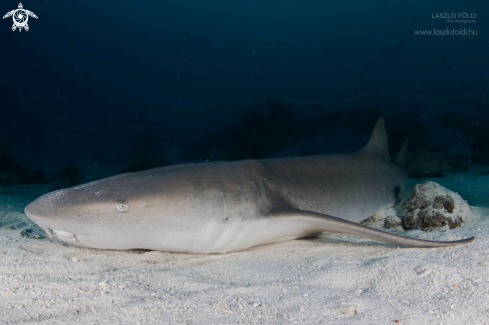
(20, 17)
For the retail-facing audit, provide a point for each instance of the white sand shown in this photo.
(337, 279)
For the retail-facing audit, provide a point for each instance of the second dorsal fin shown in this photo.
(402, 155)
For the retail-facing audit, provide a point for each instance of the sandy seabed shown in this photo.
(335, 279)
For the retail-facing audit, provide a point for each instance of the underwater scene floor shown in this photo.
(334, 279)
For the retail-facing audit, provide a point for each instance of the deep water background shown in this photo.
(102, 82)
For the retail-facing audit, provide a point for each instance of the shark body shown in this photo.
(230, 206)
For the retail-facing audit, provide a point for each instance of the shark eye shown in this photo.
(122, 207)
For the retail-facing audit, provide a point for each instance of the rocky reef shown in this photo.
(432, 206)
(429, 207)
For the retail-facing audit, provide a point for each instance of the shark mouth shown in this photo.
(66, 236)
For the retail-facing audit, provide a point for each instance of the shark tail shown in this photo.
(332, 224)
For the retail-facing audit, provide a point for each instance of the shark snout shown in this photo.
(35, 211)
(55, 213)
(43, 212)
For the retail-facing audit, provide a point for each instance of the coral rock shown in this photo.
(432, 207)
(392, 222)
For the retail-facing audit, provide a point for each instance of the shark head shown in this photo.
(120, 212)
(82, 214)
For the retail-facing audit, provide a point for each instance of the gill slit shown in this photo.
(223, 206)
(258, 196)
(243, 202)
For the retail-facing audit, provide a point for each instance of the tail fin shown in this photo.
(402, 155)
(378, 141)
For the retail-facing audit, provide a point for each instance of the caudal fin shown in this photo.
(322, 222)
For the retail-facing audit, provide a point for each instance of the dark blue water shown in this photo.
(165, 82)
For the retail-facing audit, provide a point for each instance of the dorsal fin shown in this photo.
(378, 141)
(402, 155)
